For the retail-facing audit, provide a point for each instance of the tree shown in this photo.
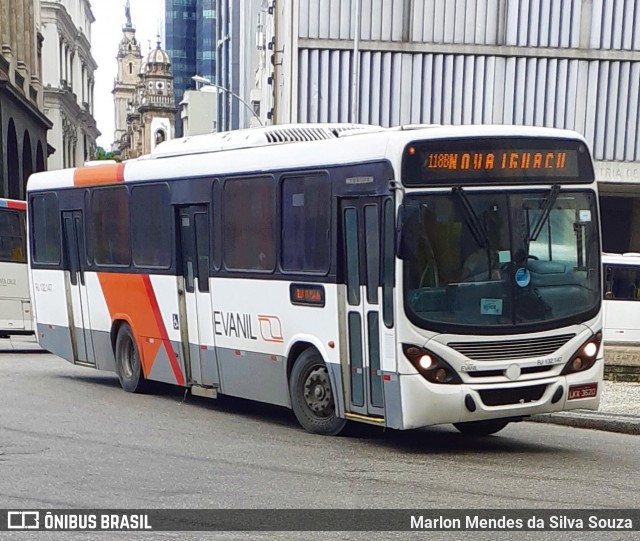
(102, 154)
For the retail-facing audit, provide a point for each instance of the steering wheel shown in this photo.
(531, 256)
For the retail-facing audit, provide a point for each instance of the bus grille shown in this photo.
(513, 395)
(498, 373)
(511, 349)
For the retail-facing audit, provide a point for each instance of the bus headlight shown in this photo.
(585, 357)
(430, 366)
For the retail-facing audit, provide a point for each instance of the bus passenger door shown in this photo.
(75, 257)
(362, 241)
(196, 302)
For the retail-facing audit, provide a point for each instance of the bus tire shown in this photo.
(128, 365)
(312, 397)
(481, 428)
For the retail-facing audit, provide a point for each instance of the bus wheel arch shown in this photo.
(128, 359)
(312, 392)
(115, 327)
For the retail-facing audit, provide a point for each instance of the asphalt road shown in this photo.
(71, 438)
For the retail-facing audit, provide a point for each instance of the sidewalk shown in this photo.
(24, 344)
(620, 401)
(619, 411)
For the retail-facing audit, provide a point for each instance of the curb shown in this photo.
(623, 424)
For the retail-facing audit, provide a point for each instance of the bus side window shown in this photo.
(608, 283)
(11, 238)
(249, 223)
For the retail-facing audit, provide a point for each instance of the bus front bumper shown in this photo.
(425, 403)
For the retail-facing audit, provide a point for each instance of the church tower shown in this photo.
(157, 105)
(126, 84)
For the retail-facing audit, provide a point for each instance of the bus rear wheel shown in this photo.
(481, 428)
(128, 365)
(311, 395)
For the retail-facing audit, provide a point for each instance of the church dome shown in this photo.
(158, 56)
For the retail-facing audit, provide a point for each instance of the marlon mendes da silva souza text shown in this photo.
(553, 522)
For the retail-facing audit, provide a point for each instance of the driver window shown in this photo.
(436, 261)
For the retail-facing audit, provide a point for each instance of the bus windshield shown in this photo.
(490, 261)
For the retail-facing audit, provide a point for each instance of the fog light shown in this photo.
(426, 362)
(577, 364)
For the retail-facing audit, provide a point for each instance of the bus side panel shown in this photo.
(100, 322)
(52, 312)
(621, 322)
(14, 294)
(148, 304)
(170, 364)
(255, 325)
(248, 328)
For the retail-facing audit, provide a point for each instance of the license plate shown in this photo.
(583, 391)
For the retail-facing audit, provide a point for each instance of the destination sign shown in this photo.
(516, 161)
(505, 160)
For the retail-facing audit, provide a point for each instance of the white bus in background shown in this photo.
(621, 298)
(400, 277)
(15, 304)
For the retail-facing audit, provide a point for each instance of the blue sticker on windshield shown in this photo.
(523, 277)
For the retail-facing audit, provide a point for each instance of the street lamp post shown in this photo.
(355, 89)
(204, 81)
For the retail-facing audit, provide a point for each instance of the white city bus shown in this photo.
(15, 304)
(402, 277)
(621, 298)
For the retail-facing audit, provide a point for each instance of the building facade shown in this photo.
(69, 81)
(198, 112)
(125, 88)
(151, 116)
(564, 63)
(23, 124)
(145, 107)
(239, 27)
(190, 41)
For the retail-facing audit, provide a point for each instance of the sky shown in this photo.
(148, 18)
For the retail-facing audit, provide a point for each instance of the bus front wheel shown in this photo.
(481, 428)
(128, 365)
(311, 395)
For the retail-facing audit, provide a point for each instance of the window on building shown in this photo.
(161, 136)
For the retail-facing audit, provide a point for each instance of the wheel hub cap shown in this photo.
(317, 390)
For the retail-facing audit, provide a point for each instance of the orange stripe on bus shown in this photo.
(99, 174)
(173, 358)
(130, 297)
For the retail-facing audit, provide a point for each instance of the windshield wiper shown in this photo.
(477, 230)
(549, 201)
